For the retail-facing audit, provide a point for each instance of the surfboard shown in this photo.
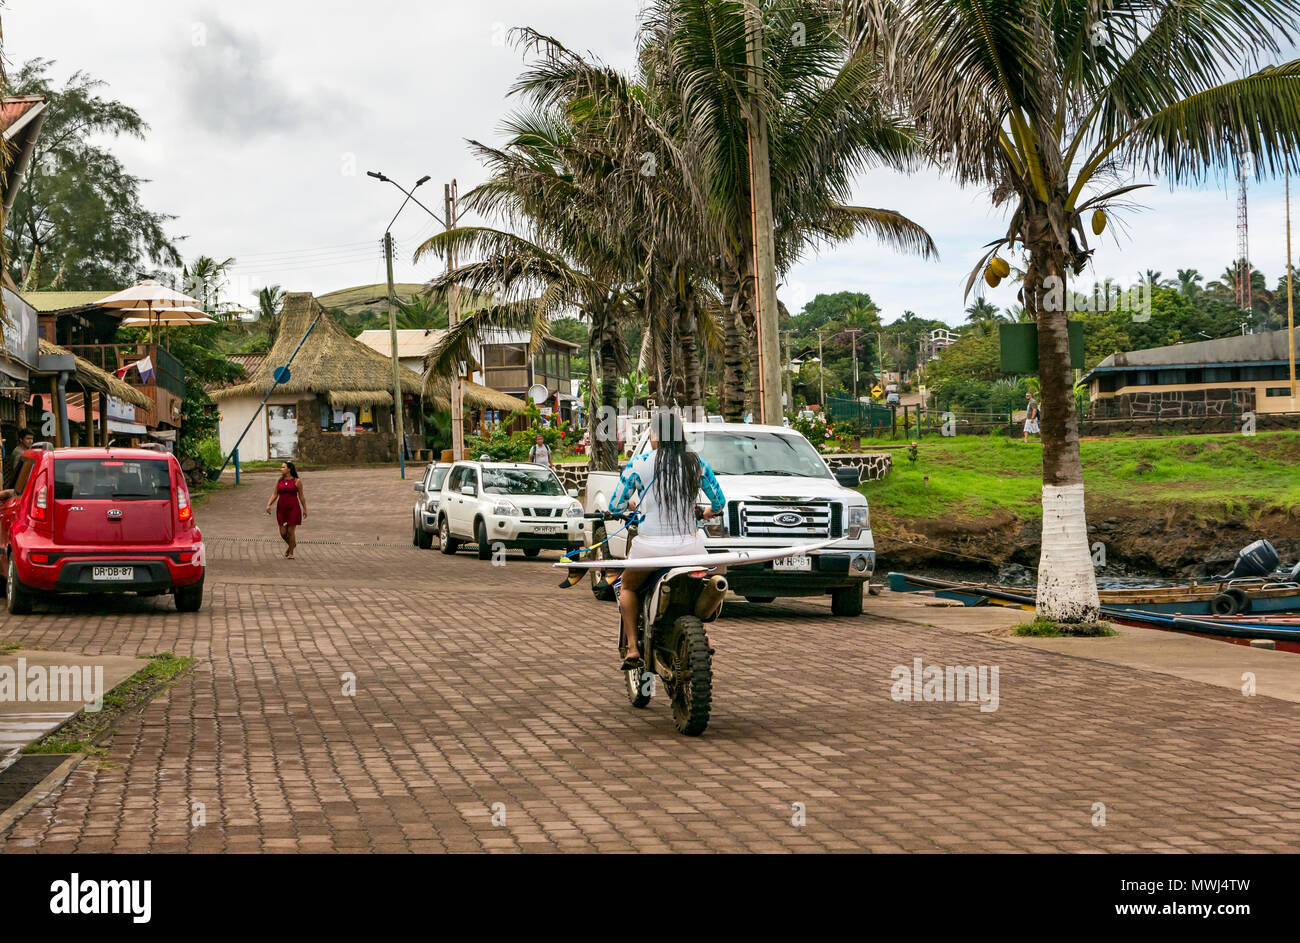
(710, 560)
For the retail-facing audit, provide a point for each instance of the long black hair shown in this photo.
(293, 469)
(677, 470)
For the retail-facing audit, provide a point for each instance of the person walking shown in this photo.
(1031, 416)
(290, 506)
(540, 453)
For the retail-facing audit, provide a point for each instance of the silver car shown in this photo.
(424, 516)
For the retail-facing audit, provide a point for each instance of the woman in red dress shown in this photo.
(290, 505)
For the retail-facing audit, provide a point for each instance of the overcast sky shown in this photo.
(265, 116)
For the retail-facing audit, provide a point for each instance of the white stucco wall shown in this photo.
(235, 414)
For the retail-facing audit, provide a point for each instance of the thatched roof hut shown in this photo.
(348, 373)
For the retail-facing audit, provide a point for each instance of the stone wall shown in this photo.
(1176, 404)
(873, 466)
(334, 448)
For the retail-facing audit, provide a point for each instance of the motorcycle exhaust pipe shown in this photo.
(709, 603)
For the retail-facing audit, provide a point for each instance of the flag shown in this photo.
(121, 371)
(145, 366)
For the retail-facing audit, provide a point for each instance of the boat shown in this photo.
(1282, 627)
(1254, 596)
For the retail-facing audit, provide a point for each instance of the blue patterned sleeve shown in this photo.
(628, 484)
(717, 501)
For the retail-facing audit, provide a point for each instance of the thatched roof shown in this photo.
(333, 363)
(92, 378)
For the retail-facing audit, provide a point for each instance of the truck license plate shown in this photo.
(799, 562)
(113, 573)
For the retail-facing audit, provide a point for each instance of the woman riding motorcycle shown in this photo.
(663, 482)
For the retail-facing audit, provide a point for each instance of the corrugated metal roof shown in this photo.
(47, 302)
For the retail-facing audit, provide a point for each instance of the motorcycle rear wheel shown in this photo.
(692, 688)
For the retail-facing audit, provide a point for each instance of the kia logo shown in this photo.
(789, 519)
(114, 514)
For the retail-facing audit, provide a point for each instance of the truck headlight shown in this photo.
(505, 509)
(574, 511)
(859, 520)
(432, 505)
(717, 526)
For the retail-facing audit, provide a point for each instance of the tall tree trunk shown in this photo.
(690, 357)
(1067, 583)
(605, 440)
(731, 394)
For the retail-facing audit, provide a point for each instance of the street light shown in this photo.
(399, 417)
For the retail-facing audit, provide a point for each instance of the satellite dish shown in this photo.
(538, 393)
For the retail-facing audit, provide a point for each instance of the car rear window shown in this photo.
(111, 479)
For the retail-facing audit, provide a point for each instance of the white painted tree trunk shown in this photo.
(1067, 585)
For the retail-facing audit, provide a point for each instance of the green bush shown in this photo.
(208, 451)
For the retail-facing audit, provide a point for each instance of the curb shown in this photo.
(38, 792)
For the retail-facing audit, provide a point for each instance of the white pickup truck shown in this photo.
(779, 491)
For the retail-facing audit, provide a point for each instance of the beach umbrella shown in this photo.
(147, 298)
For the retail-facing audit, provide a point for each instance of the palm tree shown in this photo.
(204, 278)
(981, 310)
(695, 112)
(269, 302)
(421, 312)
(1047, 102)
(1189, 283)
(540, 182)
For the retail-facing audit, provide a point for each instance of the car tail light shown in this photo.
(41, 503)
(187, 556)
(183, 510)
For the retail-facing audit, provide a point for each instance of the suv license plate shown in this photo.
(113, 573)
(800, 562)
(545, 529)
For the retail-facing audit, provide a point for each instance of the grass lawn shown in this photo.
(978, 476)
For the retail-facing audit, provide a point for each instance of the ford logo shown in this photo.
(789, 519)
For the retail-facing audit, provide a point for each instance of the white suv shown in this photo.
(517, 506)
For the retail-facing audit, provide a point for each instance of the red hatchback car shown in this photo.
(100, 520)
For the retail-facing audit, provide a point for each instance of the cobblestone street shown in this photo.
(478, 685)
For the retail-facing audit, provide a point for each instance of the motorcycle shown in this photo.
(675, 605)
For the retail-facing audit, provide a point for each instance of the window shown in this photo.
(531, 481)
(437, 474)
(1278, 391)
(1169, 377)
(23, 474)
(456, 474)
(470, 477)
(759, 453)
(1219, 375)
(94, 478)
(504, 355)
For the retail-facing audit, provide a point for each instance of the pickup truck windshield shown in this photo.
(537, 481)
(759, 453)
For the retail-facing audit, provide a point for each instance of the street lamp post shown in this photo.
(399, 414)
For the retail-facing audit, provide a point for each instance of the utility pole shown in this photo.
(788, 371)
(399, 417)
(1290, 297)
(760, 197)
(855, 332)
(457, 386)
(821, 372)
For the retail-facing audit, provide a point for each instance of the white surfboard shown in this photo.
(709, 560)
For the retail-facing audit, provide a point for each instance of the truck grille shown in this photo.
(770, 519)
(541, 512)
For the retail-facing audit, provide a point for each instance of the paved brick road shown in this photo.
(478, 685)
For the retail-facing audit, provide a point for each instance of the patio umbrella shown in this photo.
(148, 298)
(181, 315)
